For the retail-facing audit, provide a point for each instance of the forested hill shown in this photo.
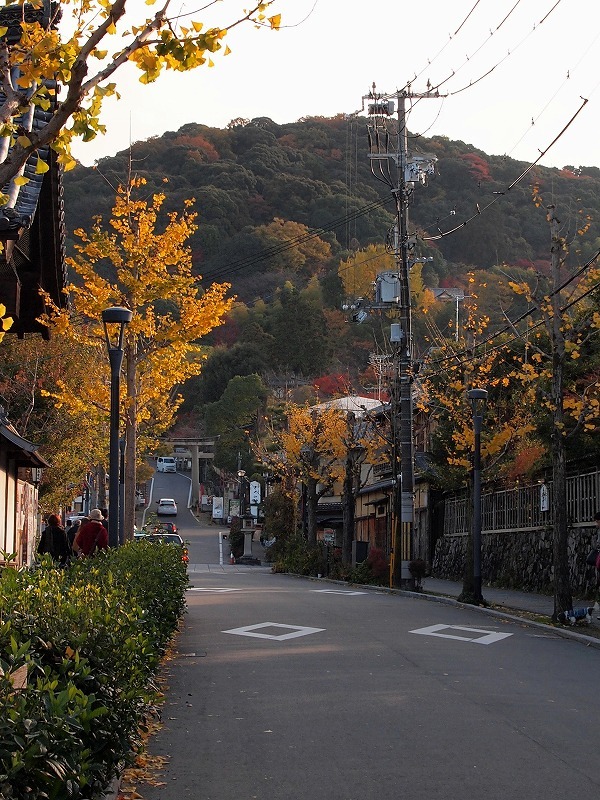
(316, 173)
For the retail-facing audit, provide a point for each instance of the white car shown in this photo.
(166, 506)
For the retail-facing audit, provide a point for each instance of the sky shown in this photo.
(515, 73)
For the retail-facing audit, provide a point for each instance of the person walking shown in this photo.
(73, 530)
(54, 541)
(91, 536)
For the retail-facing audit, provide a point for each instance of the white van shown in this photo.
(166, 464)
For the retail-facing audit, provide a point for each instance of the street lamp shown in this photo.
(114, 320)
(242, 491)
(477, 398)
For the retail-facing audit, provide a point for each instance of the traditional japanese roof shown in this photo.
(355, 403)
(32, 227)
(21, 450)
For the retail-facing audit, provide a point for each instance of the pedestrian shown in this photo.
(91, 536)
(104, 519)
(54, 541)
(72, 531)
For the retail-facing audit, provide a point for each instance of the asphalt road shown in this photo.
(291, 688)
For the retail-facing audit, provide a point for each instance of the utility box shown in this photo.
(387, 289)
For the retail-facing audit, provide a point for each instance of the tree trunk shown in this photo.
(311, 511)
(563, 600)
(348, 501)
(130, 441)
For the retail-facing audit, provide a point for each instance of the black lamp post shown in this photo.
(114, 319)
(477, 398)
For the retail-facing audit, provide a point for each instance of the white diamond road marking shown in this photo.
(207, 589)
(295, 631)
(486, 638)
(336, 591)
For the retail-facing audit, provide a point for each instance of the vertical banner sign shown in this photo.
(544, 498)
(254, 497)
(217, 508)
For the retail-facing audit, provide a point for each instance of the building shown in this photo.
(19, 476)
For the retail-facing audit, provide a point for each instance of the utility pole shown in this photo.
(409, 169)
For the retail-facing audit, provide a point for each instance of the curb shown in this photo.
(112, 793)
(565, 633)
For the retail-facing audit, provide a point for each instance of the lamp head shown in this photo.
(119, 317)
(478, 399)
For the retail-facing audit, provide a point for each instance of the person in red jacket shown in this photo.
(91, 536)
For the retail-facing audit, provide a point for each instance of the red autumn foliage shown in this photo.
(199, 143)
(478, 166)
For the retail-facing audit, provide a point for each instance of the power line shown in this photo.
(250, 261)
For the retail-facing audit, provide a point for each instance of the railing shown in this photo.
(520, 509)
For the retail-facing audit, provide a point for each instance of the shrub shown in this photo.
(373, 570)
(297, 556)
(88, 639)
(236, 537)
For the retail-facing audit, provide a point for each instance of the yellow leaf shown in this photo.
(21, 180)
(6, 323)
(275, 22)
(227, 50)
(3, 30)
(41, 167)
(24, 141)
(112, 29)
(2, 309)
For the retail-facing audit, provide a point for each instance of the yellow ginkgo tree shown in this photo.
(562, 328)
(5, 322)
(63, 58)
(133, 264)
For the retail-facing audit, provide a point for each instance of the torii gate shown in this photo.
(200, 447)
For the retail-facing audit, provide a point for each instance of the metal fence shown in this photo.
(526, 508)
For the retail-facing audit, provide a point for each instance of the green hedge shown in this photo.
(89, 639)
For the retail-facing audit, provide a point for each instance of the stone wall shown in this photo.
(519, 560)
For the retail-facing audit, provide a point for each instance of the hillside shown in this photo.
(259, 186)
(316, 172)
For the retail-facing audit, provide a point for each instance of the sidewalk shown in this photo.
(513, 601)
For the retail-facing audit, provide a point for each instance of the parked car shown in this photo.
(166, 506)
(169, 538)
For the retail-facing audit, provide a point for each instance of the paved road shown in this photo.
(291, 688)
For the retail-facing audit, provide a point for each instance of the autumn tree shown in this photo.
(149, 271)
(83, 55)
(311, 444)
(509, 429)
(73, 442)
(566, 321)
(360, 269)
